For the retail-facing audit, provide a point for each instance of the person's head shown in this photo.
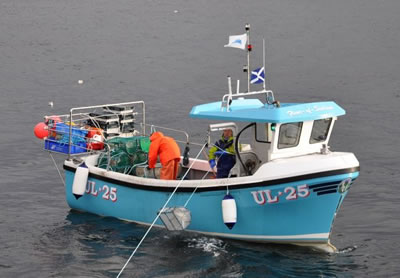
(227, 133)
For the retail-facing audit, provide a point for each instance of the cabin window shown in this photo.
(262, 133)
(320, 130)
(289, 135)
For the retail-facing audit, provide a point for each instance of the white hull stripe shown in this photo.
(261, 237)
(165, 188)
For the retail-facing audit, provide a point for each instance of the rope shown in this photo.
(158, 214)
(190, 197)
(225, 151)
(59, 173)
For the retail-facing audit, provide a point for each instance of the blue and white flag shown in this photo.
(257, 76)
(238, 41)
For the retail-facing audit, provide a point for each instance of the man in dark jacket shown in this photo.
(224, 150)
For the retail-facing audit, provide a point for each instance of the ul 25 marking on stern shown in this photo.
(292, 193)
(109, 193)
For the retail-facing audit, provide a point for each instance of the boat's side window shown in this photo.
(262, 133)
(320, 130)
(289, 135)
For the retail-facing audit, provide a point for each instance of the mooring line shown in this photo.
(158, 214)
(59, 173)
(191, 195)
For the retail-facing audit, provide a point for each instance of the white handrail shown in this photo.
(269, 99)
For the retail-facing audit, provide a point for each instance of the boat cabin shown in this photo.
(278, 130)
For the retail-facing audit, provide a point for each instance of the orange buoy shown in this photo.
(93, 131)
(95, 139)
(41, 130)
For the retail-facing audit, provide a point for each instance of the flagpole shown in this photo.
(247, 27)
(265, 72)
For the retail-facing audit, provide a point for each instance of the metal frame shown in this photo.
(102, 106)
(227, 98)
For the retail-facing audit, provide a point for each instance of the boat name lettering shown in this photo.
(322, 108)
(309, 110)
(291, 193)
(109, 193)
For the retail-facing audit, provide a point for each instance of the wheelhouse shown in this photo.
(278, 130)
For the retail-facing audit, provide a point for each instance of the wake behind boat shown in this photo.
(286, 186)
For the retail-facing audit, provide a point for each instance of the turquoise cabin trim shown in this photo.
(253, 110)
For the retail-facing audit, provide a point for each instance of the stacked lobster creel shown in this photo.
(127, 154)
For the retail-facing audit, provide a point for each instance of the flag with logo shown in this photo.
(237, 41)
(257, 76)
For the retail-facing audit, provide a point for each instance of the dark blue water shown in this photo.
(170, 54)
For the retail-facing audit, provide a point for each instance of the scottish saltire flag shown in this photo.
(257, 76)
(238, 41)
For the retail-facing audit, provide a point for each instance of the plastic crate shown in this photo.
(56, 146)
(63, 130)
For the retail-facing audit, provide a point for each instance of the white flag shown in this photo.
(238, 41)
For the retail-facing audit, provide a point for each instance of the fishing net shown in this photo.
(126, 154)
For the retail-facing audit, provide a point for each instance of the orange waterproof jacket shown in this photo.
(165, 147)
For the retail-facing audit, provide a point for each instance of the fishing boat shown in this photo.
(286, 187)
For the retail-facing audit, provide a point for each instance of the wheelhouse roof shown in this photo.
(253, 110)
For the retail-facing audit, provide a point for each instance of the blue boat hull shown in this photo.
(291, 210)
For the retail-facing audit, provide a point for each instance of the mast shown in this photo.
(247, 27)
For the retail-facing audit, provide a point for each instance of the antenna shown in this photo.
(230, 85)
(229, 102)
(265, 72)
(226, 103)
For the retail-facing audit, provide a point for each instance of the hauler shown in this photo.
(168, 150)
(224, 150)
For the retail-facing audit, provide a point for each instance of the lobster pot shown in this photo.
(176, 218)
(80, 180)
(229, 213)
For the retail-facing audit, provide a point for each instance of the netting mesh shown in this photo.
(126, 154)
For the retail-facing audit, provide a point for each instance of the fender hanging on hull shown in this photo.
(229, 214)
(80, 181)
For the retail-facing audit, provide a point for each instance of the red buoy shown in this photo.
(41, 130)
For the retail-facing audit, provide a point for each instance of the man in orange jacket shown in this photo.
(169, 153)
